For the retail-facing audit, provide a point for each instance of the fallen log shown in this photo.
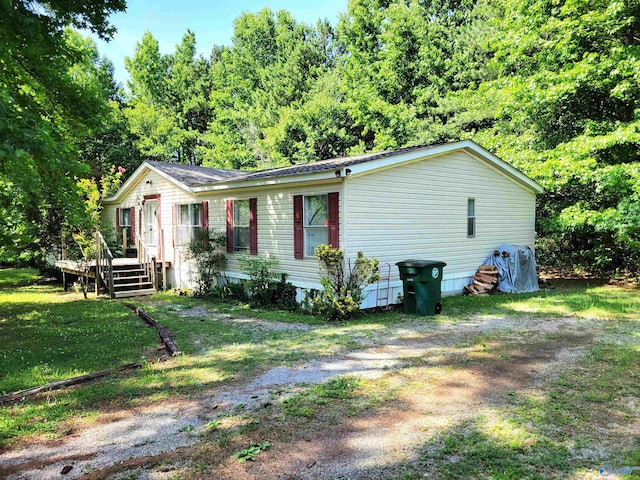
(163, 333)
(29, 392)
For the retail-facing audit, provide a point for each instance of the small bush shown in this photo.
(206, 251)
(263, 288)
(343, 284)
(284, 294)
(261, 277)
(232, 291)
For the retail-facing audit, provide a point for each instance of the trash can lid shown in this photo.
(421, 263)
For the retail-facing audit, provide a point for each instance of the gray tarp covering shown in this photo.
(517, 268)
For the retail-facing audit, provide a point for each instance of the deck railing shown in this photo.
(148, 261)
(104, 264)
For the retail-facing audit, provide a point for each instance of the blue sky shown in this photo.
(211, 21)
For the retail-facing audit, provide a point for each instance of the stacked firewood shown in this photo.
(484, 281)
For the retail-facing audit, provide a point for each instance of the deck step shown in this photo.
(131, 278)
(134, 293)
(124, 268)
(128, 270)
(132, 286)
(130, 282)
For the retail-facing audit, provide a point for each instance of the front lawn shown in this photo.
(48, 335)
(529, 433)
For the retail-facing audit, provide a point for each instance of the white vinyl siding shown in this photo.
(420, 210)
(152, 184)
(414, 210)
(275, 228)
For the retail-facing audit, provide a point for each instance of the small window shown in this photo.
(316, 223)
(189, 219)
(471, 217)
(241, 225)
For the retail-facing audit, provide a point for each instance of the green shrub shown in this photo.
(261, 277)
(232, 291)
(343, 284)
(262, 286)
(284, 294)
(206, 251)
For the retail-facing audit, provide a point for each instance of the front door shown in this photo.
(151, 223)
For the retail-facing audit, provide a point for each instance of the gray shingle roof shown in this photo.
(191, 175)
(323, 165)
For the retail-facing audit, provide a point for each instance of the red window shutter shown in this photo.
(117, 219)
(333, 200)
(133, 226)
(229, 226)
(205, 221)
(253, 226)
(298, 228)
(175, 225)
(205, 215)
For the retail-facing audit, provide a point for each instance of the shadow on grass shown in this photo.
(17, 277)
(576, 425)
(216, 352)
(556, 434)
(49, 341)
(598, 302)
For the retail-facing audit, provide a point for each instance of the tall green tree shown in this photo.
(402, 57)
(563, 105)
(270, 70)
(168, 109)
(49, 89)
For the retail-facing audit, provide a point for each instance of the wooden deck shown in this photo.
(76, 268)
(128, 277)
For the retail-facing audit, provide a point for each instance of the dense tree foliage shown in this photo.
(54, 92)
(552, 86)
(562, 103)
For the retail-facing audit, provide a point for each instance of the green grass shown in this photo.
(14, 277)
(532, 436)
(604, 303)
(310, 400)
(55, 335)
(48, 335)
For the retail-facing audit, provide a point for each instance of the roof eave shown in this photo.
(135, 178)
(329, 174)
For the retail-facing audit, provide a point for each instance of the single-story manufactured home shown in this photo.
(452, 202)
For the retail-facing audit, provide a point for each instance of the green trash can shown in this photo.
(421, 281)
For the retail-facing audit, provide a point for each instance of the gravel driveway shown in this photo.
(367, 446)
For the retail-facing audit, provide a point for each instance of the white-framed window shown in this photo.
(240, 225)
(189, 218)
(471, 217)
(125, 221)
(316, 223)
